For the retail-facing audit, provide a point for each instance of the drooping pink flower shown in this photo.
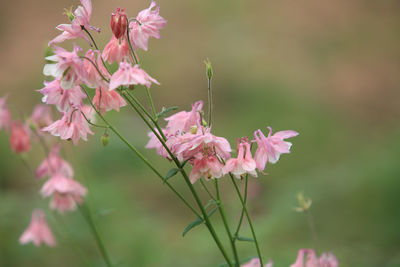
(116, 50)
(109, 100)
(147, 24)
(19, 139)
(89, 112)
(328, 260)
(38, 232)
(270, 148)
(71, 126)
(95, 79)
(256, 263)
(128, 75)
(81, 19)
(244, 163)
(63, 99)
(60, 184)
(308, 258)
(5, 115)
(156, 144)
(183, 121)
(65, 202)
(54, 164)
(41, 116)
(68, 67)
(209, 167)
(118, 22)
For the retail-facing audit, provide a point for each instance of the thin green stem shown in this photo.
(313, 231)
(242, 213)
(206, 188)
(210, 100)
(153, 108)
(248, 218)
(97, 68)
(130, 44)
(95, 45)
(139, 104)
(91, 123)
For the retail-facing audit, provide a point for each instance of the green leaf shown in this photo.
(197, 222)
(171, 173)
(211, 202)
(164, 111)
(241, 238)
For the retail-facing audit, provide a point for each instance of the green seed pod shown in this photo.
(105, 139)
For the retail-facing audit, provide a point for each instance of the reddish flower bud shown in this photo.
(19, 139)
(118, 22)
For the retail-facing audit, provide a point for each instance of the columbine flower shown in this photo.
(65, 202)
(61, 184)
(63, 99)
(256, 263)
(209, 167)
(19, 139)
(38, 231)
(109, 100)
(311, 260)
(128, 75)
(116, 50)
(5, 115)
(69, 68)
(118, 22)
(270, 148)
(54, 164)
(80, 19)
(183, 121)
(71, 126)
(41, 116)
(244, 163)
(147, 24)
(94, 78)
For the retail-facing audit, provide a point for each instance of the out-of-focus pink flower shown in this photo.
(65, 202)
(64, 100)
(118, 22)
(81, 19)
(116, 50)
(308, 258)
(58, 183)
(71, 126)
(208, 167)
(256, 263)
(270, 148)
(19, 139)
(68, 67)
(109, 100)
(183, 121)
(41, 116)
(5, 115)
(38, 231)
(147, 24)
(94, 78)
(54, 164)
(128, 75)
(328, 260)
(244, 163)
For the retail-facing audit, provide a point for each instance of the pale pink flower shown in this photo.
(64, 100)
(118, 22)
(328, 260)
(244, 163)
(128, 75)
(38, 232)
(19, 138)
(209, 167)
(54, 164)
(270, 148)
(116, 50)
(89, 112)
(308, 258)
(74, 30)
(256, 263)
(5, 115)
(147, 24)
(58, 183)
(65, 202)
(71, 126)
(68, 67)
(183, 121)
(94, 78)
(109, 100)
(156, 144)
(41, 116)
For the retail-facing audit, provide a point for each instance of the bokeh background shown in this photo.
(328, 69)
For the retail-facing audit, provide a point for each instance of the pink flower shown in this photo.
(208, 167)
(244, 163)
(328, 260)
(116, 50)
(156, 144)
(147, 24)
(128, 75)
(256, 263)
(64, 100)
(69, 68)
(63, 185)
(5, 115)
(307, 258)
(109, 100)
(65, 202)
(54, 164)
(94, 78)
(81, 19)
(269, 148)
(38, 231)
(119, 22)
(41, 116)
(183, 121)
(19, 139)
(71, 126)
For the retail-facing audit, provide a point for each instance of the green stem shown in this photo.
(130, 44)
(313, 231)
(97, 68)
(153, 108)
(245, 202)
(248, 218)
(206, 188)
(226, 225)
(95, 45)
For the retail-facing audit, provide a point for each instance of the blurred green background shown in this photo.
(327, 69)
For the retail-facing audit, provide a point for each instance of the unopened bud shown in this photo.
(105, 139)
(193, 129)
(118, 22)
(209, 69)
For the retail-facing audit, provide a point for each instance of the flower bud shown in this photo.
(304, 202)
(209, 70)
(105, 139)
(19, 139)
(118, 22)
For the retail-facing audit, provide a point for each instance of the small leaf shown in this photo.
(172, 172)
(241, 238)
(191, 225)
(164, 111)
(211, 202)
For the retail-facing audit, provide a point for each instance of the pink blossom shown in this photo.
(68, 67)
(94, 78)
(208, 167)
(54, 164)
(269, 148)
(64, 100)
(118, 22)
(116, 50)
(58, 183)
(244, 163)
(5, 115)
(183, 121)
(256, 263)
(41, 116)
(109, 100)
(147, 24)
(328, 260)
(308, 258)
(19, 139)
(156, 144)
(74, 30)
(128, 75)
(65, 202)
(38, 231)
(71, 126)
